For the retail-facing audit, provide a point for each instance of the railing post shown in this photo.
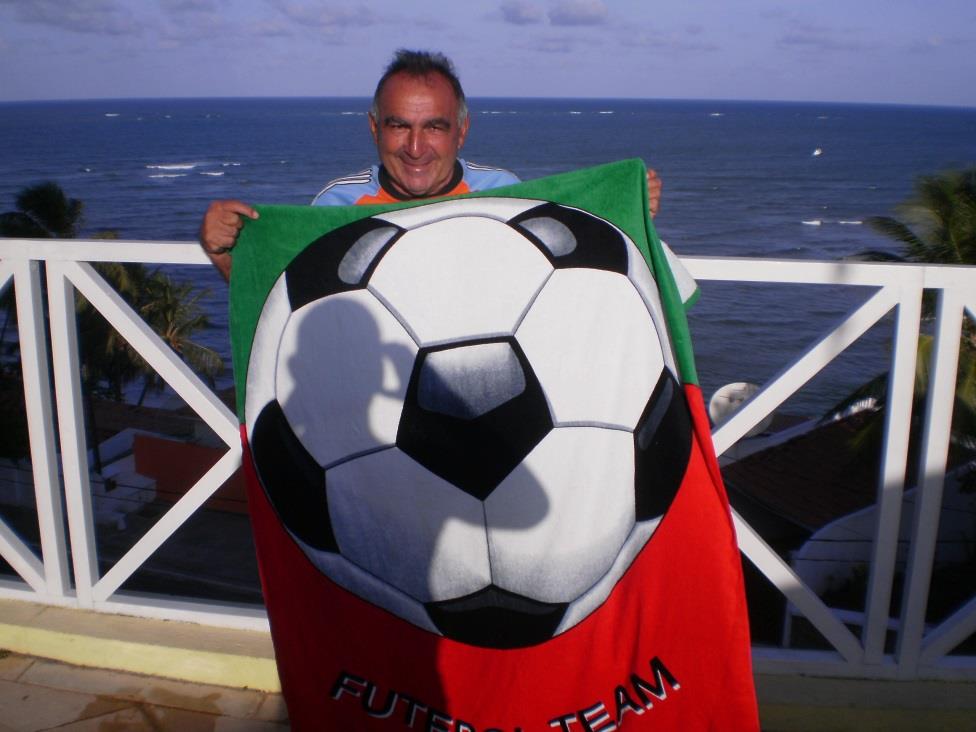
(898, 413)
(40, 424)
(934, 453)
(71, 424)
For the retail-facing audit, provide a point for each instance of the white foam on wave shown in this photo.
(717, 114)
(112, 114)
(605, 111)
(173, 166)
(211, 172)
(852, 222)
(573, 111)
(168, 175)
(813, 222)
(228, 165)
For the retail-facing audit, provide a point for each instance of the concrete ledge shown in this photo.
(814, 704)
(168, 649)
(244, 659)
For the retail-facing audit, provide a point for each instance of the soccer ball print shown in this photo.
(466, 413)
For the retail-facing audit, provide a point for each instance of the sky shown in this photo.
(883, 51)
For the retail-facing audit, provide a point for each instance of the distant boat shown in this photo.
(818, 152)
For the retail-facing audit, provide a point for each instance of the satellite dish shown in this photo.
(729, 399)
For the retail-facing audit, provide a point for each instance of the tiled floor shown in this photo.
(42, 695)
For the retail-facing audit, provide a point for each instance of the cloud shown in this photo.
(80, 16)
(554, 44)
(270, 29)
(578, 12)
(520, 12)
(818, 40)
(800, 33)
(182, 6)
(314, 15)
(651, 40)
(938, 43)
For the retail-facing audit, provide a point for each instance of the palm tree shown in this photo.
(43, 211)
(173, 310)
(109, 363)
(939, 220)
(937, 226)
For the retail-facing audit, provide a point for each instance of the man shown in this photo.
(419, 122)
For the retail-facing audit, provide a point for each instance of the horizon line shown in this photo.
(494, 97)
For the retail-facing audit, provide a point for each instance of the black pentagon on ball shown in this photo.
(292, 480)
(339, 261)
(573, 238)
(495, 618)
(472, 412)
(662, 447)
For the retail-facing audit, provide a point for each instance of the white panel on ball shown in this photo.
(343, 370)
(643, 280)
(467, 277)
(594, 347)
(597, 595)
(264, 352)
(403, 524)
(557, 522)
(500, 209)
(365, 585)
(682, 277)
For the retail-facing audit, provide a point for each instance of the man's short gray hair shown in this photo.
(418, 64)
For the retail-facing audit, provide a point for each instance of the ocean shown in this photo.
(785, 180)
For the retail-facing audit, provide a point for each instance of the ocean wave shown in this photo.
(168, 175)
(605, 111)
(173, 166)
(210, 172)
(573, 111)
(842, 222)
(716, 114)
(228, 165)
(112, 114)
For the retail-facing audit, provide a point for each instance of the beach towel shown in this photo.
(480, 475)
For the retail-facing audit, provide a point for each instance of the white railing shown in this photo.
(921, 652)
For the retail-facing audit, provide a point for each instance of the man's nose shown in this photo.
(415, 142)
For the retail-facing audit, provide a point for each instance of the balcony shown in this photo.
(84, 555)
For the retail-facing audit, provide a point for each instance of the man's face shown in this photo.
(417, 133)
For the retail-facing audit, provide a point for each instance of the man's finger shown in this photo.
(236, 208)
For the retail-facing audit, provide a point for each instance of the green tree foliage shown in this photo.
(173, 310)
(43, 212)
(936, 225)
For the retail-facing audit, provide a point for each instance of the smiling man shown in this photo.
(419, 122)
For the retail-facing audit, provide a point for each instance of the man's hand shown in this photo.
(653, 192)
(218, 233)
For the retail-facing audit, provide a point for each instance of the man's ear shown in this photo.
(374, 128)
(464, 131)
